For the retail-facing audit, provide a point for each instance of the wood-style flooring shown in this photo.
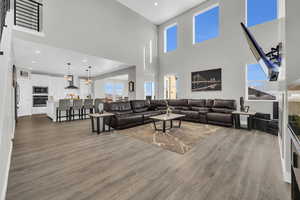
(58, 161)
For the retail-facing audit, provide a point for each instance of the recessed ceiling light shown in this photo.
(156, 3)
(30, 68)
(33, 62)
(84, 60)
(37, 51)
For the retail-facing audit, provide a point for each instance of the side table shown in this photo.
(99, 116)
(237, 119)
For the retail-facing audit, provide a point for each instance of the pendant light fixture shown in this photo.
(68, 75)
(89, 76)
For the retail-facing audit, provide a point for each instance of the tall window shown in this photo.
(171, 38)
(119, 88)
(261, 11)
(109, 88)
(206, 24)
(257, 87)
(149, 89)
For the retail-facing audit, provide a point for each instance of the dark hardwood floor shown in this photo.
(66, 161)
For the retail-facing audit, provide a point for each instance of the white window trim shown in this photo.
(198, 13)
(150, 51)
(280, 12)
(246, 89)
(165, 35)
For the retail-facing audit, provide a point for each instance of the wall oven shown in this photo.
(39, 90)
(40, 101)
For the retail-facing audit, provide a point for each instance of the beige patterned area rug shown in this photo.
(179, 140)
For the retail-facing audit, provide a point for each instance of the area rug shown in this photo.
(178, 140)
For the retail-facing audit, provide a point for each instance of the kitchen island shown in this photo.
(51, 109)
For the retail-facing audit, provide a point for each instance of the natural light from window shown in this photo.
(257, 81)
(261, 11)
(171, 38)
(206, 24)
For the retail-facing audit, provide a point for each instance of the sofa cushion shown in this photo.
(222, 110)
(139, 110)
(139, 106)
(221, 103)
(191, 114)
(150, 113)
(178, 102)
(220, 117)
(263, 116)
(118, 107)
(197, 102)
(128, 118)
(180, 107)
(158, 104)
(200, 109)
(209, 103)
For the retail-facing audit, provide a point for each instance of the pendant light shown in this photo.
(89, 76)
(68, 75)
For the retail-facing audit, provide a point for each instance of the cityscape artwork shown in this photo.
(209, 80)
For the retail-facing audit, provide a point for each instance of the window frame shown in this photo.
(246, 88)
(201, 12)
(165, 37)
(279, 13)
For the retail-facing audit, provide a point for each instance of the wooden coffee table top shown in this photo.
(166, 117)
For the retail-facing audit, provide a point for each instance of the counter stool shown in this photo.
(63, 105)
(77, 106)
(88, 105)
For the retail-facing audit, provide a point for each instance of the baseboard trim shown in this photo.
(3, 192)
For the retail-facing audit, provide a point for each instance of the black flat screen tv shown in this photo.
(270, 68)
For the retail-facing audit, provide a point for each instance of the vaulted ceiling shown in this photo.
(160, 11)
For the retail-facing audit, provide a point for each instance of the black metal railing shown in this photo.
(4, 7)
(28, 14)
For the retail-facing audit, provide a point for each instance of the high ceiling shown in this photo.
(159, 11)
(46, 59)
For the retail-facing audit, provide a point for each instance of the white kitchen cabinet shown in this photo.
(25, 97)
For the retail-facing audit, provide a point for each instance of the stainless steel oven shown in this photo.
(39, 90)
(40, 101)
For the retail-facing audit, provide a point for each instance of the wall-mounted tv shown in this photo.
(270, 67)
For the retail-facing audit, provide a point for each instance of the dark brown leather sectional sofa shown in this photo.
(137, 112)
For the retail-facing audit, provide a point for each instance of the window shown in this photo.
(206, 25)
(261, 11)
(119, 88)
(149, 89)
(109, 88)
(257, 84)
(171, 38)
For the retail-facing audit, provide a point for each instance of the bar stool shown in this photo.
(88, 105)
(63, 105)
(77, 106)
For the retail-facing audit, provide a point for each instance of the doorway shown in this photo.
(170, 86)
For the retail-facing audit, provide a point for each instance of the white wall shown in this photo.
(7, 122)
(102, 28)
(292, 59)
(229, 51)
(99, 81)
(99, 90)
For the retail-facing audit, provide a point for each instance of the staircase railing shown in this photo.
(4, 7)
(28, 14)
